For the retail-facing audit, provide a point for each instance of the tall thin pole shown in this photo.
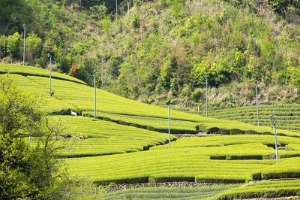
(127, 6)
(102, 73)
(116, 10)
(256, 85)
(24, 25)
(276, 148)
(169, 128)
(206, 100)
(29, 137)
(95, 93)
(50, 56)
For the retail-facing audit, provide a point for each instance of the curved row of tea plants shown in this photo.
(264, 189)
(199, 159)
(159, 124)
(165, 192)
(84, 136)
(287, 116)
(34, 71)
(273, 189)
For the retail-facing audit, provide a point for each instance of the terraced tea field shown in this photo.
(287, 115)
(126, 143)
(171, 192)
(227, 159)
(88, 137)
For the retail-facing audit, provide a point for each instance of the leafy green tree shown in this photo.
(33, 47)
(106, 25)
(279, 5)
(167, 72)
(13, 45)
(27, 172)
(13, 15)
(136, 21)
(3, 43)
(114, 67)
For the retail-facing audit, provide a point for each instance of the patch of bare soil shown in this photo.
(200, 134)
(167, 184)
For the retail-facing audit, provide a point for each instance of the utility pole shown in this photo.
(24, 25)
(206, 100)
(49, 55)
(116, 10)
(276, 148)
(256, 85)
(102, 73)
(169, 128)
(128, 6)
(95, 114)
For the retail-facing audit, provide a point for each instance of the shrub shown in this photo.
(213, 130)
(129, 180)
(256, 176)
(236, 131)
(13, 45)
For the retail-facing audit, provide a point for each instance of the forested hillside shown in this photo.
(163, 49)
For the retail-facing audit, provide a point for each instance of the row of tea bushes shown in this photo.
(287, 116)
(34, 71)
(264, 189)
(284, 169)
(174, 164)
(170, 191)
(83, 136)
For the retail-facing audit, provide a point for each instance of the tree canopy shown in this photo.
(27, 171)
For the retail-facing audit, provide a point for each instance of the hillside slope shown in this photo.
(159, 50)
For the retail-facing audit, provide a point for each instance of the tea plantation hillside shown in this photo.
(124, 143)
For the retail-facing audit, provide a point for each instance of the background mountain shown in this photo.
(163, 49)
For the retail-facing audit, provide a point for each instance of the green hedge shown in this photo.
(279, 175)
(125, 180)
(285, 169)
(258, 193)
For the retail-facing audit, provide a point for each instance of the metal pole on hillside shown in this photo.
(102, 73)
(29, 137)
(206, 100)
(127, 6)
(256, 85)
(116, 10)
(24, 25)
(276, 148)
(95, 93)
(169, 129)
(50, 57)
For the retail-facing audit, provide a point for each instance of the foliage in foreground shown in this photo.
(27, 172)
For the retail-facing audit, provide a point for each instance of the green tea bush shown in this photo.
(264, 189)
(125, 180)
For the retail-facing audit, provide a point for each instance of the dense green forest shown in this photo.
(163, 49)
